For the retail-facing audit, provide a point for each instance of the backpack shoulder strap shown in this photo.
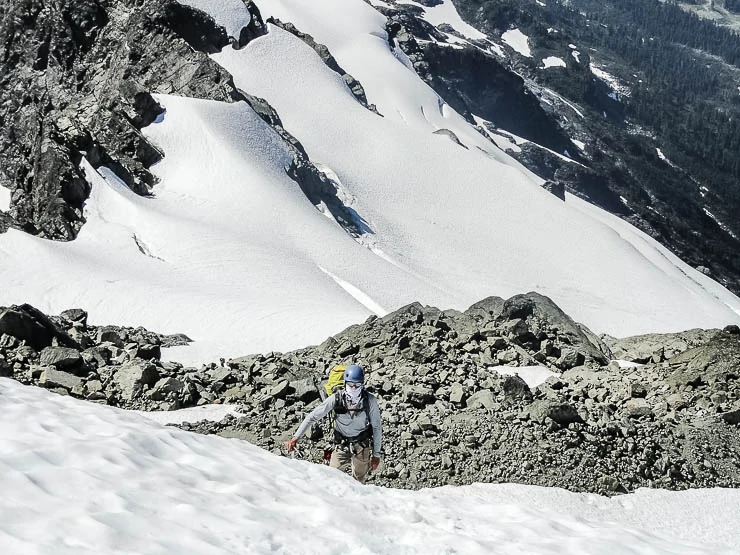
(366, 406)
(340, 402)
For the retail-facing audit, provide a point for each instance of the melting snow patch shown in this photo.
(447, 13)
(577, 55)
(703, 191)
(719, 223)
(610, 80)
(231, 14)
(4, 199)
(533, 375)
(553, 61)
(663, 157)
(627, 363)
(579, 144)
(497, 49)
(518, 41)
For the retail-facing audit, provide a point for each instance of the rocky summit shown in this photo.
(613, 415)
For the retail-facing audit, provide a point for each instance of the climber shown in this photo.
(357, 428)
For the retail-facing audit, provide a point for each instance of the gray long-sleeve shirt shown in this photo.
(351, 423)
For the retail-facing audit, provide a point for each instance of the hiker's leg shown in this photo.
(340, 459)
(361, 462)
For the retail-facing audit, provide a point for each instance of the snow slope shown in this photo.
(518, 41)
(446, 12)
(4, 199)
(230, 252)
(553, 61)
(79, 478)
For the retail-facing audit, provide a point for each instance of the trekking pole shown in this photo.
(297, 453)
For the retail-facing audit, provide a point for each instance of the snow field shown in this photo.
(79, 478)
(447, 13)
(553, 61)
(4, 199)
(518, 41)
(229, 251)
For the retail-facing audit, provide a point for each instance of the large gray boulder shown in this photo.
(514, 387)
(655, 347)
(418, 395)
(457, 393)
(305, 390)
(717, 361)
(61, 357)
(280, 389)
(75, 316)
(19, 324)
(540, 314)
(482, 399)
(637, 408)
(487, 309)
(133, 377)
(561, 412)
(110, 334)
(165, 386)
(52, 378)
(29, 324)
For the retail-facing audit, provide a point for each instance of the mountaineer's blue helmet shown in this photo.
(354, 373)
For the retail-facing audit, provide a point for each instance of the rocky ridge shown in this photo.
(454, 409)
(77, 82)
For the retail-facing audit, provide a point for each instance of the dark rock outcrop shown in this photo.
(472, 81)
(77, 81)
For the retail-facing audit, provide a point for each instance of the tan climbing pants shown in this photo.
(359, 457)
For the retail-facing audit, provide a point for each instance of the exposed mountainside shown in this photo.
(287, 175)
(77, 81)
(721, 12)
(658, 106)
(451, 385)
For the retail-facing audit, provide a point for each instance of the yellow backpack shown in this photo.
(336, 379)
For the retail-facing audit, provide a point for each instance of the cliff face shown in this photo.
(75, 80)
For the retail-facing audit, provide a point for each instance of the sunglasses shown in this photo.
(353, 385)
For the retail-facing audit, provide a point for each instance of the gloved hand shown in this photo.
(290, 444)
(374, 462)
